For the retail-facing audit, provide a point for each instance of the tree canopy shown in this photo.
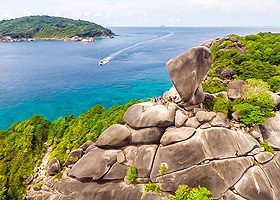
(50, 27)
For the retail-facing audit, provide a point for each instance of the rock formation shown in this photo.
(196, 147)
(188, 70)
(233, 44)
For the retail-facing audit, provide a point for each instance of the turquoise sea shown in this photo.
(55, 78)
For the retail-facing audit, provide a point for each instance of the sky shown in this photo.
(111, 13)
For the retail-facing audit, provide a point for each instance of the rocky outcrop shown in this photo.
(206, 144)
(220, 120)
(74, 156)
(235, 89)
(74, 189)
(257, 185)
(173, 135)
(271, 130)
(102, 160)
(53, 167)
(215, 157)
(174, 143)
(263, 157)
(145, 115)
(276, 99)
(226, 43)
(188, 70)
(114, 137)
(218, 175)
(225, 73)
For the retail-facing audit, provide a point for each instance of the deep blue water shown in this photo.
(54, 78)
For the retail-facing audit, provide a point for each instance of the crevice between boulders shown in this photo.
(201, 164)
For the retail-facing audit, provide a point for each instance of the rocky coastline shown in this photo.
(178, 143)
(73, 39)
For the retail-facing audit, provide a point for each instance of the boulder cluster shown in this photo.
(233, 44)
(176, 144)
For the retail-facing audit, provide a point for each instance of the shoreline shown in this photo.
(7, 39)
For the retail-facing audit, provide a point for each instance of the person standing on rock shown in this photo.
(143, 108)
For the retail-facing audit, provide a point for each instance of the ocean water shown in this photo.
(55, 78)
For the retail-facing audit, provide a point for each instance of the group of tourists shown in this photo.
(158, 101)
(162, 101)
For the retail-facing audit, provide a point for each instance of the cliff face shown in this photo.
(173, 141)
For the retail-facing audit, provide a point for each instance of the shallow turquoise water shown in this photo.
(54, 78)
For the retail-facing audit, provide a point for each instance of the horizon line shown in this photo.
(157, 26)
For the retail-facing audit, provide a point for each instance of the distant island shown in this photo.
(51, 28)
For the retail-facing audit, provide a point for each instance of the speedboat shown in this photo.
(104, 61)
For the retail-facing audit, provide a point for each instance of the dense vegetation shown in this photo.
(22, 146)
(50, 27)
(262, 61)
(256, 105)
(259, 67)
(185, 193)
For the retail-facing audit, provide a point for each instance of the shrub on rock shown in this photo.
(221, 104)
(256, 103)
(274, 83)
(185, 193)
(132, 175)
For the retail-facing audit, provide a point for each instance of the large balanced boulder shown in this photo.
(188, 70)
(114, 137)
(146, 114)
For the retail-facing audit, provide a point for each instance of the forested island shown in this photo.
(51, 28)
(251, 62)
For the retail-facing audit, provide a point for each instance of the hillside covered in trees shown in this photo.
(50, 27)
(261, 61)
(24, 144)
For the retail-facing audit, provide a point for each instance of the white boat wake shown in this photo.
(115, 54)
